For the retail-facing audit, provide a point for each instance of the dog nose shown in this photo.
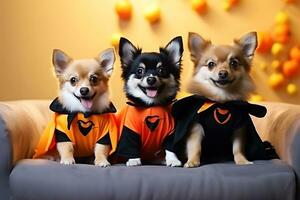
(151, 80)
(84, 91)
(223, 74)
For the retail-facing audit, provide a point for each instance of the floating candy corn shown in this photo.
(276, 64)
(281, 33)
(281, 18)
(200, 6)
(115, 38)
(277, 48)
(290, 68)
(152, 13)
(291, 89)
(123, 9)
(276, 80)
(228, 4)
(265, 42)
(263, 66)
(295, 53)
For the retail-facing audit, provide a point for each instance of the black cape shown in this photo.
(217, 143)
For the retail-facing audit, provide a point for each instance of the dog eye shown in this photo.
(139, 72)
(162, 71)
(211, 64)
(73, 81)
(234, 63)
(94, 79)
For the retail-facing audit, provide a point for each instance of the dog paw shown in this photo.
(192, 163)
(134, 162)
(173, 163)
(241, 160)
(67, 161)
(102, 163)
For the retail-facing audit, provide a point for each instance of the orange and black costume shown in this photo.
(84, 130)
(145, 131)
(220, 121)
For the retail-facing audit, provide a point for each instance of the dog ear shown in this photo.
(107, 59)
(196, 44)
(127, 52)
(248, 44)
(60, 61)
(174, 50)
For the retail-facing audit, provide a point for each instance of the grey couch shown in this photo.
(21, 123)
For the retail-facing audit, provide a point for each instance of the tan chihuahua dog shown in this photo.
(221, 74)
(83, 122)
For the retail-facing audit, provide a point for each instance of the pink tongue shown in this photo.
(151, 93)
(87, 103)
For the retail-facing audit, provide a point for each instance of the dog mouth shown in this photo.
(151, 92)
(224, 82)
(86, 101)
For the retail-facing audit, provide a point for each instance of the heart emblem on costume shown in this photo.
(152, 122)
(85, 127)
(222, 116)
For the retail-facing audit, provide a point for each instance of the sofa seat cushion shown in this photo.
(42, 179)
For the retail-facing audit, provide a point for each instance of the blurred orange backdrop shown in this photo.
(31, 29)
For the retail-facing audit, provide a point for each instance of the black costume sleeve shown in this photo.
(129, 144)
(61, 136)
(184, 112)
(168, 143)
(105, 140)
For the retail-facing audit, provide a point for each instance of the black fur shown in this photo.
(131, 57)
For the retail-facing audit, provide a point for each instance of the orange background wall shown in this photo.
(31, 29)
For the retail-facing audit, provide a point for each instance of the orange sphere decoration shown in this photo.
(295, 53)
(282, 33)
(265, 42)
(123, 9)
(233, 2)
(276, 80)
(200, 6)
(290, 68)
(152, 13)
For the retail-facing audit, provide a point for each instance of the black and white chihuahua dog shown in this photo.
(152, 80)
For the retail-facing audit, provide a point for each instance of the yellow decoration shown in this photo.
(282, 17)
(277, 48)
(152, 13)
(115, 38)
(200, 6)
(276, 80)
(276, 64)
(256, 98)
(291, 89)
(226, 5)
(263, 66)
(123, 9)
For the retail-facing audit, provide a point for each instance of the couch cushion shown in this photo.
(41, 179)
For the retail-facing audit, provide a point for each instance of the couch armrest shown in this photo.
(5, 161)
(281, 127)
(24, 122)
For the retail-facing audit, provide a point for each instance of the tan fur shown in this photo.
(238, 148)
(65, 150)
(83, 69)
(101, 154)
(202, 83)
(193, 146)
(202, 51)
